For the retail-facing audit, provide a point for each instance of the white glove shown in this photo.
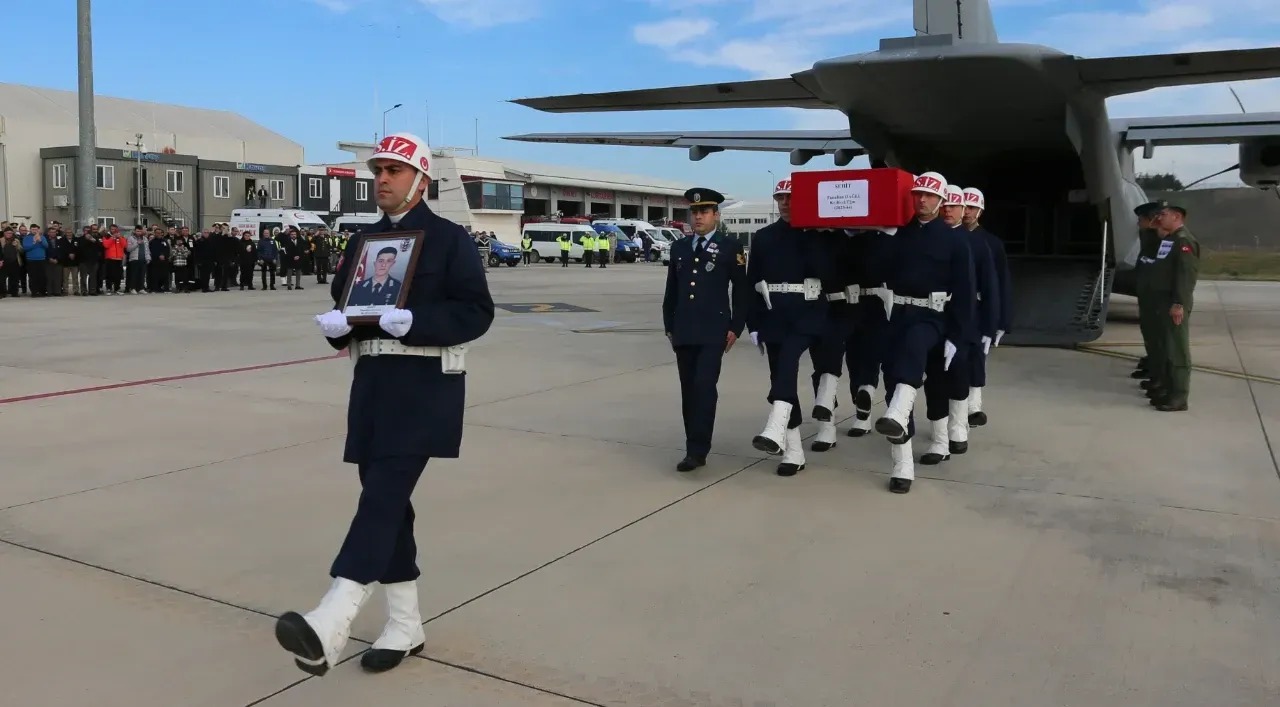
(755, 338)
(999, 336)
(948, 353)
(333, 324)
(396, 322)
(986, 345)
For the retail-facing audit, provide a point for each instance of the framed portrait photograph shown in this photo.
(381, 276)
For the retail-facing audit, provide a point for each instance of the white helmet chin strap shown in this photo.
(417, 179)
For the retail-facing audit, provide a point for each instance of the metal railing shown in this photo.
(164, 205)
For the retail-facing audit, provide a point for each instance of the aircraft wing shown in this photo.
(768, 93)
(1114, 76)
(1225, 129)
(700, 144)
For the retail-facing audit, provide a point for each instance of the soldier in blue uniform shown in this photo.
(843, 297)
(788, 314)
(975, 203)
(406, 406)
(381, 289)
(703, 312)
(947, 391)
(930, 273)
(862, 353)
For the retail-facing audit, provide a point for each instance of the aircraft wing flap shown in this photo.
(1222, 129)
(767, 93)
(1130, 74)
(761, 141)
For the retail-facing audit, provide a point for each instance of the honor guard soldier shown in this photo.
(703, 312)
(947, 392)
(843, 311)
(1173, 278)
(406, 406)
(930, 313)
(864, 349)
(975, 203)
(1149, 320)
(788, 315)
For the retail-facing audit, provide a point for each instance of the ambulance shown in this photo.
(254, 220)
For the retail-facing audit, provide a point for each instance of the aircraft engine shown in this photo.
(1260, 162)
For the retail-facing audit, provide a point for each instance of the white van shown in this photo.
(355, 223)
(544, 237)
(629, 226)
(257, 219)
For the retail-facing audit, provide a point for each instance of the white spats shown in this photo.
(976, 417)
(825, 402)
(894, 423)
(772, 440)
(939, 444)
(331, 623)
(904, 466)
(793, 455)
(958, 421)
(826, 437)
(403, 631)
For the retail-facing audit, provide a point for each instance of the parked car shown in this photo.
(500, 253)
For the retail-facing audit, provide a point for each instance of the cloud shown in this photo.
(671, 33)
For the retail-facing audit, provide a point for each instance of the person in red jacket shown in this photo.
(113, 248)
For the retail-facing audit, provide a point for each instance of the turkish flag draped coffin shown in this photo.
(851, 198)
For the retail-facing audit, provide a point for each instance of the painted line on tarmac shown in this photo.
(1203, 369)
(168, 379)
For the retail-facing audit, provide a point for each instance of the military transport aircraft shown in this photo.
(1027, 124)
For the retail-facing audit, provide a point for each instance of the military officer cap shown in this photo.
(1150, 208)
(699, 196)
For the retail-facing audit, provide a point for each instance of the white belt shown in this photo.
(452, 358)
(979, 296)
(851, 294)
(937, 301)
(811, 288)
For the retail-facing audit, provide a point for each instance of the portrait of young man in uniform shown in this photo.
(379, 278)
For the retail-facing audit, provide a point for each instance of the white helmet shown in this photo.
(952, 195)
(404, 147)
(930, 183)
(409, 149)
(974, 198)
(784, 187)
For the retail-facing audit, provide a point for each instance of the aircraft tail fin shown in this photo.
(967, 20)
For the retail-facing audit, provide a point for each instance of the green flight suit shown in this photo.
(1148, 318)
(1173, 281)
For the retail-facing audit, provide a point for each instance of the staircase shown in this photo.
(162, 204)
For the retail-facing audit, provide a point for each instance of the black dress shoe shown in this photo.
(690, 463)
(855, 432)
(789, 469)
(1140, 373)
(380, 660)
(958, 447)
(977, 419)
(932, 458)
(899, 485)
(1172, 406)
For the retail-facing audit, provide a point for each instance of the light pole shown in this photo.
(137, 176)
(774, 180)
(384, 117)
(86, 156)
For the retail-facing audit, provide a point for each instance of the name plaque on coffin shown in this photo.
(851, 198)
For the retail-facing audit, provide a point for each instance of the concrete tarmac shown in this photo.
(171, 481)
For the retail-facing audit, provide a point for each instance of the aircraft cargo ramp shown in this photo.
(1056, 301)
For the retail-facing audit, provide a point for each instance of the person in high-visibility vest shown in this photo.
(566, 242)
(588, 248)
(526, 248)
(602, 249)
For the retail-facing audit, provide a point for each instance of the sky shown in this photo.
(323, 71)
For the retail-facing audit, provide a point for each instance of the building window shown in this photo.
(106, 221)
(362, 191)
(106, 176)
(59, 176)
(433, 190)
(762, 220)
(222, 187)
(277, 190)
(173, 181)
(313, 187)
(492, 195)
